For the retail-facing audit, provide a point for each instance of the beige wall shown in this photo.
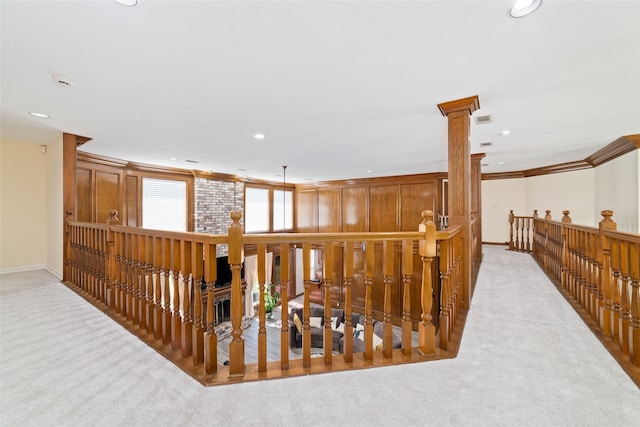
(498, 197)
(617, 188)
(23, 206)
(573, 191)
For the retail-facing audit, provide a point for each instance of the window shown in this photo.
(282, 210)
(256, 210)
(164, 204)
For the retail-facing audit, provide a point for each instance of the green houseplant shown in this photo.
(271, 298)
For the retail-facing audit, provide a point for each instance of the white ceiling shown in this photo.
(338, 88)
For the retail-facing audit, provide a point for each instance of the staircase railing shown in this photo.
(599, 268)
(150, 282)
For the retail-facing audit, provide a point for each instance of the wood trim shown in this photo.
(383, 180)
(469, 104)
(619, 147)
(100, 160)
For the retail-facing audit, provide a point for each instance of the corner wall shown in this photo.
(617, 186)
(55, 214)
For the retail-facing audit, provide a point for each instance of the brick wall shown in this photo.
(214, 201)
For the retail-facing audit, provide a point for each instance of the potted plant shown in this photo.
(271, 298)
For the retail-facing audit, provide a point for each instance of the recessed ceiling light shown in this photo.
(258, 136)
(172, 158)
(127, 2)
(524, 7)
(505, 132)
(369, 171)
(41, 115)
(501, 163)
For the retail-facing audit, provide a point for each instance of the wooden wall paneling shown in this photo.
(107, 194)
(306, 211)
(415, 198)
(84, 184)
(383, 208)
(354, 209)
(132, 196)
(329, 210)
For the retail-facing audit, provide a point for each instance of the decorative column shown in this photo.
(458, 113)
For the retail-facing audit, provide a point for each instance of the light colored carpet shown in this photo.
(526, 359)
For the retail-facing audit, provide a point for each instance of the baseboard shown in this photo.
(25, 268)
(53, 272)
(496, 243)
(22, 269)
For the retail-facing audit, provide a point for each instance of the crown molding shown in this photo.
(619, 147)
(469, 104)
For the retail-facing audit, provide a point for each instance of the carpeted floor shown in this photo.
(526, 359)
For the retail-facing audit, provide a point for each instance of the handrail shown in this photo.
(600, 269)
(149, 281)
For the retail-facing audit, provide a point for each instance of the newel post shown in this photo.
(604, 262)
(511, 246)
(236, 346)
(427, 250)
(111, 258)
(545, 260)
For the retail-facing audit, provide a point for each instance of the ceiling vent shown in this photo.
(483, 120)
(486, 144)
(192, 161)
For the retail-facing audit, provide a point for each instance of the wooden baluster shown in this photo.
(236, 346)
(284, 307)
(142, 289)
(166, 291)
(606, 224)
(151, 283)
(368, 300)
(132, 308)
(407, 271)
(521, 223)
(262, 329)
(616, 289)
(306, 328)
(210, 336)
(634, 326)
(186, 326)
(176, 320)
(158, 260)
(348, 285)
(111, 259)
(131, 275)
(511, 220)
(197, 257)
(117, 249)
(124, 285)
(596, 297)
(387, 273)
(528, 226)
(426, 329)
(625, 304)
(328, 282)
(445, 292)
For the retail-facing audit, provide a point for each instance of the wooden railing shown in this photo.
(599, 268)
(149, 281)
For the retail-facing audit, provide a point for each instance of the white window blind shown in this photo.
(164, 204)
(282, 210)
(256, 210)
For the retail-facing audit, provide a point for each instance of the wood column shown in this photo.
(70, 143)
(458, 113)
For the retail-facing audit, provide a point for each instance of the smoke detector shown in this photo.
(63, 81)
